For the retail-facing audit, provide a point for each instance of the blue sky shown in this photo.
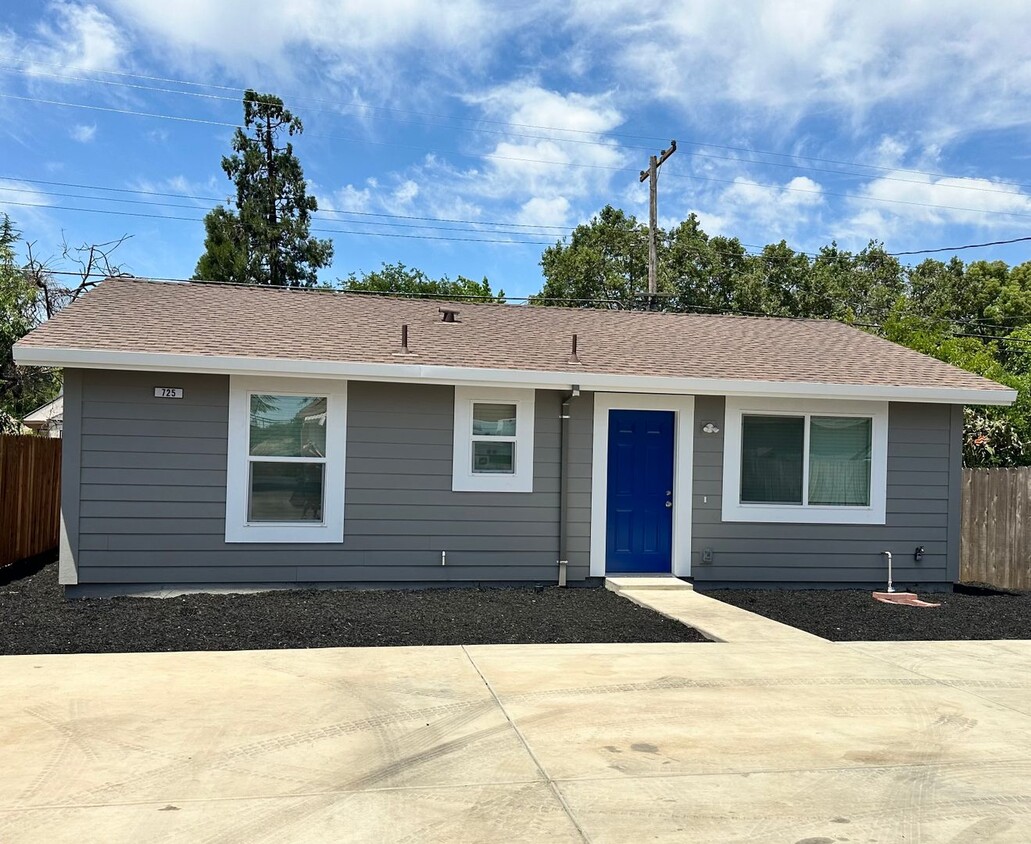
(905, 122)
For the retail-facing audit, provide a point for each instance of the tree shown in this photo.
(604, 264)
(399, 279)
(31, 293)
(267, 239)
(701, 272)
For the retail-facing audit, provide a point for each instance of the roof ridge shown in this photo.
(474, 303)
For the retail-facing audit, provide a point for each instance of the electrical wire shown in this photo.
(335, 105)
(496, 157)
(313, 228)
(216, 199)
(960, 248)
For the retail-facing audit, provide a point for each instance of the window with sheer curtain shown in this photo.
(773, 458)
(805, 461)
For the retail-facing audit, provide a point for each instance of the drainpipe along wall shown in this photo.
(563, 485)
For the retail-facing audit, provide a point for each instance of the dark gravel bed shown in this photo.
(854, 616)
(36, 619)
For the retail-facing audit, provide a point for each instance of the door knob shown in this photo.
(669, 503)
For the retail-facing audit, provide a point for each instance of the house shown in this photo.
(48, 419)
(219, 434)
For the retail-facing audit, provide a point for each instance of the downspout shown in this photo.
(563, 484)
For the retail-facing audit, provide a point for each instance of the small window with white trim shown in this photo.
(286, 452)
(819, 461)
(493, 442)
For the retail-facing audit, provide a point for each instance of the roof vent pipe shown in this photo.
(448, 314)
(573, 357)
(404, 350)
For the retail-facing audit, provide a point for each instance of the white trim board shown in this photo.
(463, 479)
(331, 529)
(431, 374)
(734, 511)
(683, 461)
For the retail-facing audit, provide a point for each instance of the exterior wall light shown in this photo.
(710, 428)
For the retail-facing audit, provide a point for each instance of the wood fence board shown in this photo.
(30, 496)
(995, 545)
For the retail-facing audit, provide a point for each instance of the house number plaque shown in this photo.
(168, 392)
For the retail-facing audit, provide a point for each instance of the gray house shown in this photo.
(217, 434)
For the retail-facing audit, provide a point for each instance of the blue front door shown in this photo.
(640, 491)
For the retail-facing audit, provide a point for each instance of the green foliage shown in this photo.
(605, 262)
(22, 389)
(976, 316)
(408, 281)
(267, 239)
(989, 442)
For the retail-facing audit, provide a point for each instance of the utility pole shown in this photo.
(652, 175)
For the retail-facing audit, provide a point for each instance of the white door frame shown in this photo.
(683, 453)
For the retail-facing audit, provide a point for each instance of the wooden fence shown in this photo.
(996, 539)
(30, 496)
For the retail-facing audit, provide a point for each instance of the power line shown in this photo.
(158, 116)
(31, 70)
(321, 209)
(153, 204)
(959, 248)
(506, 133)
(863, 197)
(314, 228)
(496, 157)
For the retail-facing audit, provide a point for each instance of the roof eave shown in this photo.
(414, 372)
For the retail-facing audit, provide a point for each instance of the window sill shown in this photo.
(491, 483)
(797, 514)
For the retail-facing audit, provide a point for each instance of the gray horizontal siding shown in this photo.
(152, 492)
(920, 484)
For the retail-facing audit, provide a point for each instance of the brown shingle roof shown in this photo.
(132, 315)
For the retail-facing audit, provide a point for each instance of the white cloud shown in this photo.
(83, 133)
(927, 200)
(76, 38)
(243, 32)
(350, 198)
(532, 177)
(544, 212)
(950, 64)
(28, 208)
(750, 209)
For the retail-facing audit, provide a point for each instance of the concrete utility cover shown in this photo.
(784, 742)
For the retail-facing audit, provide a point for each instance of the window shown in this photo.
(286, 457)
(818, 461)
(493, 449)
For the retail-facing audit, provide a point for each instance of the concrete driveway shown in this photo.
(801, 742)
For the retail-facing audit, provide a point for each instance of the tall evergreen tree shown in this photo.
(267, 238)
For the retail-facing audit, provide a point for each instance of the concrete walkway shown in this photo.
(757, 741)
(714, 619)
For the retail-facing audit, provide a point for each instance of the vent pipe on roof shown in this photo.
(573, 357)
(448, 314)
(404, 350)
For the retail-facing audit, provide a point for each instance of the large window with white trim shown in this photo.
(286, 457)
(493, 442)
(816, 461)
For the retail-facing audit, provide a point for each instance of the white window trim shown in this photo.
(463, 479)
(736, 511)
(331, 529)
(683, 467)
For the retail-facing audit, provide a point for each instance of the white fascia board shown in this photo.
(414, 372)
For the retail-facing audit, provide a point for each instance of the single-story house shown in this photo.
(221, 434)
(48, 419)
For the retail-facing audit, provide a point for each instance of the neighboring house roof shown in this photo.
(45, 417)
(133, 323)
